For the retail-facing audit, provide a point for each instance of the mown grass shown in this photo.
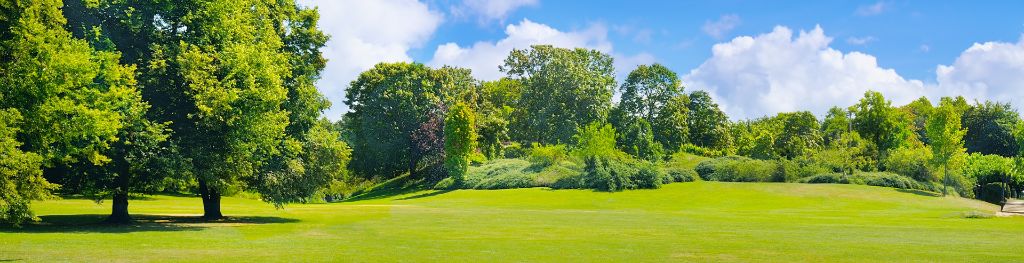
(700, 221)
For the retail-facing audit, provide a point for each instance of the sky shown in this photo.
(756, 58)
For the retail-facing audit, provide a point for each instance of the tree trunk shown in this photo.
(211, 201)
(119, 210)
(945, 178)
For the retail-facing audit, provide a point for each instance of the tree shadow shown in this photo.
(397, 186)
(429, 194)
(94, 223)
(918, 192)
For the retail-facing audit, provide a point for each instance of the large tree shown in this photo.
(990, 128)
(946, 136)
(21, 179)
(235, 80)
(655, 94)
(563, 89)
(876, 120)
(83, 113)
(708, 125)
(396, 115)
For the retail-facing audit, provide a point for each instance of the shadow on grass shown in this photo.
(94, 223)
(429, 194)
(401, 185)
(919, 192)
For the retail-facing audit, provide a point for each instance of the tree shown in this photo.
(459, 140)
(877, 121)
(496, 105)
(920, 109)
(596, 140)
(637, 140)
(84, 115)
(654, 94)
(990, 128)
(21, 179)
(235, 81)
(397, 115)
(836, 123)
(708, 125)
(799, 134)
(946, 136)
(563, 89)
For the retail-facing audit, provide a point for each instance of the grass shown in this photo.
(701, 221)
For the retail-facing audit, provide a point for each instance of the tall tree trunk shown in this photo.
(211, 201)
(119, 209)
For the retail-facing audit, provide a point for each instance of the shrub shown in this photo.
(445, 184)
(829, 178)
(677, 175)
(505, 181)
(547, 155)
(596, 139)
(647, 176)
(911, 162)
(736, 169)
(459, 140)
(701, 151)
(515, 150)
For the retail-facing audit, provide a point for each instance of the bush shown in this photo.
(912, 162)
(515, 150)
(701, 151)
(677, 175)
(547, 155)
(647, 176)
(445, 184)
(612, 174)
(736, 169)
(829, 178)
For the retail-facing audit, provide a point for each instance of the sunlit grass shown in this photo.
(702, 221)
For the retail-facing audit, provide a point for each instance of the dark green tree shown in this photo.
(459, 140)
(708, 125)
(563, 89)
(654, 94)
(990, 128)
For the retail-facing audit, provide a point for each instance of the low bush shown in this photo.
(911, 162)
(677, 175)
(612, 174)
(701, 151)
(515, 150)
(736, 169)
(830, 178)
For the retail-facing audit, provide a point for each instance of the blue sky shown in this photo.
(772, 56)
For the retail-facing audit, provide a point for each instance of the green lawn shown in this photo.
(702, 221)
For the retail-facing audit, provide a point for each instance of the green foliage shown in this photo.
(836, 123)
(459, 140)
(547, 155)
(563, 89)
(655, 95)
(920, 109)
(946, 137)
(21, 179)
(990, 127)
(701, 151)
(991, 168)
(637, 139)
(877, 121)
(736, 169)
(913, 162)
(493, 133)
(596, 139)
(707, 124)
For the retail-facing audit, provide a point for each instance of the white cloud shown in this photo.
(775, 72)
(990, 70)
(364, 33)
(490, 10)
(722, 26)
(860, 40)
(484, 57)
(870, 10)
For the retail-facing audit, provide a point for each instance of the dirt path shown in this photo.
(1013, 207)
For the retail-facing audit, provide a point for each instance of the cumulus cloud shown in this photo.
(871, 10)
(484, 57)
(779, 72)
(364, 33)
(722, 26)
(490, 10)
(990, 70)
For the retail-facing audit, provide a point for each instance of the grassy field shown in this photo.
(700, 221)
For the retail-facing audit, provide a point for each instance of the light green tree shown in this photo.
(946, 136)
(459, 140)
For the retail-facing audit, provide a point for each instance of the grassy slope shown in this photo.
(690, 221)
